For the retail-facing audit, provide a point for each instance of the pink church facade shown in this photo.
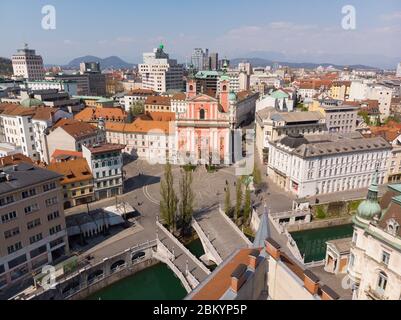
(203, 133)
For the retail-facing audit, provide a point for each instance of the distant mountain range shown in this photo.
(112, 62)
(6, 67)
(259, 62)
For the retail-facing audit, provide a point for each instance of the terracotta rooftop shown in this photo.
(179, 96)
(75, 128)
(139, 126)
(65, 154)
(14, 159)
(108, 114)
(72, 171)
(141, 92)
(215, 288)
(158, 100)
(106, 147)
(11, 109)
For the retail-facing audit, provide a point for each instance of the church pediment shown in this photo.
(203, 98)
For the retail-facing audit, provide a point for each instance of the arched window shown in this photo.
(382, 282)
(191, 87)
(202, 114)
(224, 88)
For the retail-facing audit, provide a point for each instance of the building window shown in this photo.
(385, 257)
(28, 193)
(354, 237)
(382, 282)
(9, 217)
(15, 247)
(49, 186)
(11, 233)
(54, 230)
(33, 224)
(202, 114)
(351, 260)
(35, 238)
(51, 201)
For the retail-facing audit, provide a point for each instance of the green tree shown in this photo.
(365, 116)
(257, 177)
(138, 108)
(187, 201)
(227, 201)
(168, 203)
(247, 205)
(238, 193)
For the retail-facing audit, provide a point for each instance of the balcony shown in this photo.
(375, 294)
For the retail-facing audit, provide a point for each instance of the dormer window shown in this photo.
(393, 227)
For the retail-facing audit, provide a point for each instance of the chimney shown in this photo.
(15, 167)
(253, 259)
(329, 294)
(273, 248)
(311, 282)
(238, 277)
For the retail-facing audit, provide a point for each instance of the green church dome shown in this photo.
(370, 207)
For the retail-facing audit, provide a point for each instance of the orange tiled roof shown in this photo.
(11, 109)
(14, 159)
(141, 92)
(158, 100)
(179, 96)
(66, 153)
(75, 128)
(389, 132)
(108, 114)
(72, 170)
(139, 126)
(221, 281)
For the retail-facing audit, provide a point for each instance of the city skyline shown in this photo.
(312, 33)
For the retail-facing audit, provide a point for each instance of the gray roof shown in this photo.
(263, 232)
(330, 144)
(298, 116)
(23, 175)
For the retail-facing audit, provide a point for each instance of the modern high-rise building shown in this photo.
(198, 59)
(160, 73)
(398, 73)
(89, 67)
(28, 65)
(214, 61)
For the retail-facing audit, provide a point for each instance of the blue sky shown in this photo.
(296, 29)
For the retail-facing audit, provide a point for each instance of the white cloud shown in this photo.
(125, 39)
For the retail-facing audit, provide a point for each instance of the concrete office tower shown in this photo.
(28, 65)
(160, 73)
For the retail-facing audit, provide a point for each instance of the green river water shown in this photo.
(154, 283)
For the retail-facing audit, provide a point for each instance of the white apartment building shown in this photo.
(129, 99)
(8, 149)
(71, 87)
(27, 64)
(179, 103)
(319, 164)
(160, 73)
(365, 90)
(17, 127)
(375, 256)
(42, 121)
(106, 164)
(234, 78)
(272, 124)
